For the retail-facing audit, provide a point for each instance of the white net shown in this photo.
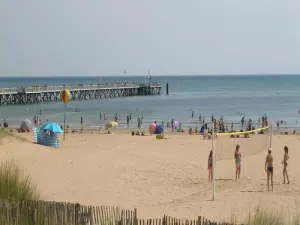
(251, 142)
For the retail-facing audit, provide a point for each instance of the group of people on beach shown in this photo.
(269, 166)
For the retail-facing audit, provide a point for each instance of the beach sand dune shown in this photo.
(158, 176)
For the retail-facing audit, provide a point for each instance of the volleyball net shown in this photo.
(250, 142)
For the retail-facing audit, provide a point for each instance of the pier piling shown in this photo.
(167, 88)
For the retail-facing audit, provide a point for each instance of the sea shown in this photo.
(230, 97)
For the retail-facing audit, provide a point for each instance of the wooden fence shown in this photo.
(58, 213)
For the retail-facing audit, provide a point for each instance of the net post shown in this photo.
(270, 134)
(213, 162)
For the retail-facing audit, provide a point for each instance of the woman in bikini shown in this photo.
(269, 168)
(210, 158)
(285, 164)
(238, 162)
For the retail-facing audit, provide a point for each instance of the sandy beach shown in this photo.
(158, 176)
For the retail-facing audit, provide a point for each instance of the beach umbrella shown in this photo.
(152, 127)
(111, 124)
(54, 127)
(65, 97)
(159, 129)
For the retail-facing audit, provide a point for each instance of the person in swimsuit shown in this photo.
(285, 164)
(210, 158)
(269, 168)
(238, 162)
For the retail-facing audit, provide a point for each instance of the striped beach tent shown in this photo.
(43, 138)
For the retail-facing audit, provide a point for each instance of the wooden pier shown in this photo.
(49, 94)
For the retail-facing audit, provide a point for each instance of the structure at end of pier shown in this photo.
(48, 94)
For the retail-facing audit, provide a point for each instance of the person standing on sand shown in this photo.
(285, 164)
(269, 168)
(238, 162)
(210, 160)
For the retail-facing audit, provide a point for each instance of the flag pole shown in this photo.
(65, 121)
(213, 163)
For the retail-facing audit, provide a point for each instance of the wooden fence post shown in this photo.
(90, 215)
(121, 219)
(164, 220)
(77, 214)
(135, 220)
(199, 220)
(33, 216)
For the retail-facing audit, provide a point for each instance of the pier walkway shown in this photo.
(48, 94)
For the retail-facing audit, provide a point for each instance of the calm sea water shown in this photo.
(276, 96)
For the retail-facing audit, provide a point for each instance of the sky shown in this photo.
(169, 37)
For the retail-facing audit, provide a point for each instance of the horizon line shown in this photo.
(143, 75)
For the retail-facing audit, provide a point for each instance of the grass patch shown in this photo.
(263, 217)
(4, 133)
(14, 184)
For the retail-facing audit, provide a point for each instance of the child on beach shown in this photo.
(285, 164)
(210, 158)
(269, 168)
(238, 162)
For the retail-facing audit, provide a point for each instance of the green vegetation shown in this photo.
(15, 185)
(6, 133)
(263, 217)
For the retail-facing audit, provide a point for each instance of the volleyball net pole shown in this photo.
(270, 134)
(213, 163)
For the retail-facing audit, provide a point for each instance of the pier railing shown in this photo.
(71, 87)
